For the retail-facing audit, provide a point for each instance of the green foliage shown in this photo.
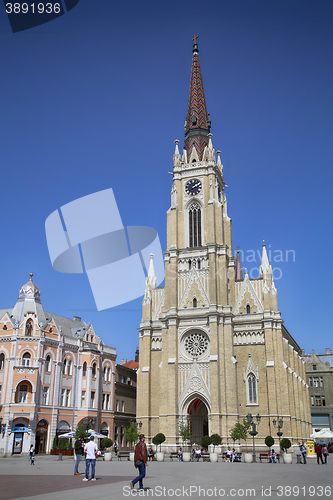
(185, 431)
(206, 441)
(55, 443)
(106, 443)
(216, 439)
(70, 444)
(269, 441)
(131, 434)
(159, 439)
(285, 443)
(240, 431)
(62, 443)
(81, 432)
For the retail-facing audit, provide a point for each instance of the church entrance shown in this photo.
(198, 416)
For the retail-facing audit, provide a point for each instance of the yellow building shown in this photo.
(54, 372)
(213, 346)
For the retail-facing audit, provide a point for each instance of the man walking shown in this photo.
(78, 447)
(90, 451)
(140, 461)
(319, 453)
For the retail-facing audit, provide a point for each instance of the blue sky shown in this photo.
(95, 99)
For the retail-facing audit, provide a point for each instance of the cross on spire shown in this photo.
(195, 39)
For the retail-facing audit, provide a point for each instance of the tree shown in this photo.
(216, 440)
(131, 434)
(285, 443)
(269, 441)
(81, 432)
(159, 439)
(106, 443)
(206, 441)
(55, 443)
(240, 431)
(185, 431)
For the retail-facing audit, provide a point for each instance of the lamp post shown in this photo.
(279, 426)
(254, 432)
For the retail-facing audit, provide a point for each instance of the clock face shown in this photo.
(193, 187)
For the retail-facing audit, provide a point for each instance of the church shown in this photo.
(213, 345)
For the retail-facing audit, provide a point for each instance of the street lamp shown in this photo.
(254, 432)
(279, 426)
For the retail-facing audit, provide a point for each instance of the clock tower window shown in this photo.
(194, 218)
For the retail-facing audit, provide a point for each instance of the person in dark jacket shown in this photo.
(78, 447)
(319, 453)
(140, 461)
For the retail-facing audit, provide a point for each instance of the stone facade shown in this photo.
(125, 402)
(213, 348)
(54, 372)
(319, 374)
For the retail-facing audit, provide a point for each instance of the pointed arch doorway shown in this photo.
(198, 416)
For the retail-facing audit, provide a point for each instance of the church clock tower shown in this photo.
(190, 336)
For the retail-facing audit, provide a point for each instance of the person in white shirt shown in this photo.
(90, 451)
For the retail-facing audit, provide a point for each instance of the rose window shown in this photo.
(196, 344)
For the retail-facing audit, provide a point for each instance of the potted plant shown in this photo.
(216, 441)
(185, 433)
(70, 447)
(158, 440)
(240, 431)
(54, 449)
(285, 445)
(131, 436)
(106, 444)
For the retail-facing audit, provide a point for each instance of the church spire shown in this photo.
(197, 124)
(239, 273)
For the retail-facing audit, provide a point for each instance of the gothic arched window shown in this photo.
(194, 220)
(93, 371)
(195, 302)
(26, 359)
(69, 367)
(248, 309)
(48, 363)
(2, 361)
(64, 366)
(84, 370)
(252, 385)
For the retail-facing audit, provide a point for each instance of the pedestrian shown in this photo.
(79, 450)
(197, 454)
(115, 447)
(273, 456)
(324, 452)
(319, 453)
(140, 461)
(303, 451)
(90, 450)
(31, 455)
(180, 455)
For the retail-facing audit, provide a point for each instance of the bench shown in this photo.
(223, 456)
(264, 456)
(123, 454)
(174, 454)
(205, 457)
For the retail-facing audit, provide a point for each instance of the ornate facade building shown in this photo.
(54, 372)
(213, 346)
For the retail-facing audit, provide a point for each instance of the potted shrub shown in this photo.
(70, 447)
(216, 441)
(240, 431)
(185, 433)
(285, 445)
(158, 440)
(54, 446)
(106, 444)
(131, 436)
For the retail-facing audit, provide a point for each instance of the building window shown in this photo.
(252, 384)
(314, 367)
(83, 399)
(315, 382)
(323, 401)
(63, 397)
(0, 392)
(109, 374)
(92, 399)
(48, 364)
(248, 309)
(103, 402)
(2, 361)
(23, 394)
(68, 397)
(312, 401)
(318, 400)
(107, 402)
(45, 395)
(321, 381)
(93, 372)
(104, 373)
(310, 382)
(69, 367)
(194, 219)
(117, 405)
(123, 406)
(195, 302)
(64, 366)
(26, 359)
(84, 370)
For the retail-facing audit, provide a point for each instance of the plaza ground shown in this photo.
(50, 479)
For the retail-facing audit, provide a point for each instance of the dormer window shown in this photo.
(4, 327)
